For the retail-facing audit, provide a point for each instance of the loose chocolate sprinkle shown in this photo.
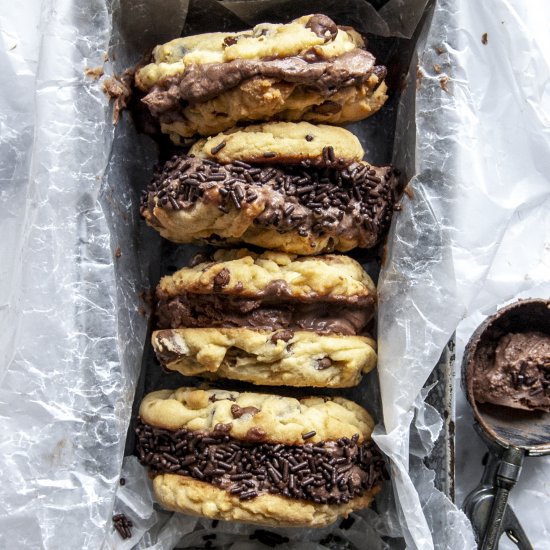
(309, 435)
(314, 199)
(122, 481)
(347, 523)
(218, 148)
(269, 538)
(123, 525)
(284, 335)
(324, 472)
(269, 154)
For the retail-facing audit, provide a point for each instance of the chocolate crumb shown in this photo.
(119, 89)
(443, 83)
(118, 252)
(484, 38)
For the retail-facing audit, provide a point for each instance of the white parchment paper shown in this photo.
(472, 129)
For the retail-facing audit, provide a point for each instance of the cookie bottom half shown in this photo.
(285, 357)
(190, 496)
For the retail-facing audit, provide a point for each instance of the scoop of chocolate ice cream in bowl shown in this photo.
(506, 377)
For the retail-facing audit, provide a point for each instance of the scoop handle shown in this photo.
(507, 476)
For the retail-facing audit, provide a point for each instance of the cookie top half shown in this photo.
(256, 416)
(282, 143)
(249, 274)
(316, 34)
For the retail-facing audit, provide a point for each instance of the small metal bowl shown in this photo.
(528, 430)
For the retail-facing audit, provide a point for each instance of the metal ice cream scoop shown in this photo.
(510, 434)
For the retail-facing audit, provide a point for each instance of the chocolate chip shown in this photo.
(221, 279)
(309, 137)
(323, 26)
(230, 40)
(284, 335)
(237, 411)
(223, 428)
(323, 363)
(255, 434)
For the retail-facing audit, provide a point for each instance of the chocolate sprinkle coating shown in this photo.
(357, 198)
(329, 472)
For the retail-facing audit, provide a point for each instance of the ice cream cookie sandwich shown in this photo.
(259, 458)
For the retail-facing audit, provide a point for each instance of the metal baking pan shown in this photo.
(161, 257)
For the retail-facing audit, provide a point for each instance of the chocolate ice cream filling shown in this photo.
(329, 472)
(354, 201)
(214, 310)
(202, 82)
(518, 375)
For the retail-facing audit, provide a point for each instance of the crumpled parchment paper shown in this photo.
(471, 127)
